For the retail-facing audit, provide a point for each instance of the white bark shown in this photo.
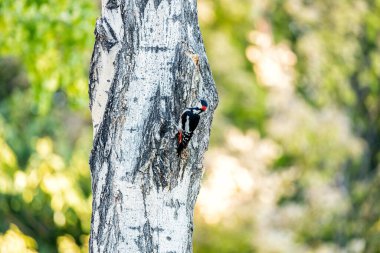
(148, 64)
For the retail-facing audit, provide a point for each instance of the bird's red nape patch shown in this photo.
(204, 108)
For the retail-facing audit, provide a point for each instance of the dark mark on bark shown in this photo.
(135, 228)
(105, 34)
(131, 130)
(157, 3)
(119, 197)
(115, 232)
(94, 74)
(156, 124)
(155, 49)
(158, 229)
(183, 71)
(145, 240)
(103, 208)
(142, 5)
(112, 4)
(176, 205)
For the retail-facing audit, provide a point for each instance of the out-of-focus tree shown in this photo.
(318, 77)
(338, 71)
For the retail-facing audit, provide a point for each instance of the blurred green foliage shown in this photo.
(315, 129)
(45, 135)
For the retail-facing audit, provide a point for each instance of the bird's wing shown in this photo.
(194, 120)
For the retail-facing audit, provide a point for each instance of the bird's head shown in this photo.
(202, 105)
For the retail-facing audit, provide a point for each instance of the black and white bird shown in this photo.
(188, 123)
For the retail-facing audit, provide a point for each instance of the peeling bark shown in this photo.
(147, 66)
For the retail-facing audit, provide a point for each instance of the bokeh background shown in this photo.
(293, 164)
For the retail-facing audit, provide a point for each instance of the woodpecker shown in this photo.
(188, 123)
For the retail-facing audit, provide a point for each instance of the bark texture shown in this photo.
(148, 65)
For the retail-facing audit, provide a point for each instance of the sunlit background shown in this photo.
(294, 159)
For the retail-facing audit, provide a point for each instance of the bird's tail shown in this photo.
(180, 148)
(183, 140)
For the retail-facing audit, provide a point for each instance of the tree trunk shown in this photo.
(148, 65)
